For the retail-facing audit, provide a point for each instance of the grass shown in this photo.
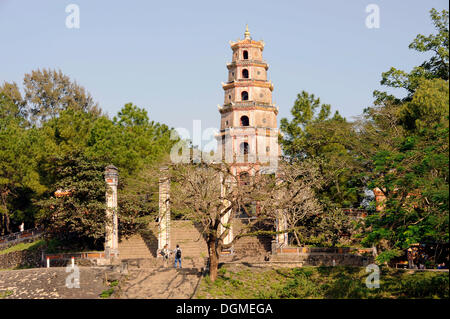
(323, 283)
(108, 292)
(6, 293)
(23, 246)
(51, 246)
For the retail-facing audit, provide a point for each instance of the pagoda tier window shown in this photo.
(244, 178)
(245, 73)
(245, 54)
(244, 96)
(245, 121)
(244, 148)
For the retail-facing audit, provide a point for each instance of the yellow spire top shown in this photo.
(246, 33)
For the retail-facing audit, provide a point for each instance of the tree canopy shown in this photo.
(56, 136)
(398, 146)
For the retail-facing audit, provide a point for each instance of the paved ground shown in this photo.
(160, 283)
(50, 283)
(142, 283)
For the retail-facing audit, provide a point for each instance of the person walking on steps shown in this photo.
(165, 252)
(177, 256)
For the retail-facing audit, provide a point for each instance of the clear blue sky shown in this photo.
(170, 56)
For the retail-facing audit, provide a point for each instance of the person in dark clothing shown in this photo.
(177, 252)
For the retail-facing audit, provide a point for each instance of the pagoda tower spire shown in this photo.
(248, 137)
(247, 33)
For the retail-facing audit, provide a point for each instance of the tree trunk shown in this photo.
(213, 259)
(4, 223)
(296, 238)
(8, 224)
(2, 229)
(6, 220)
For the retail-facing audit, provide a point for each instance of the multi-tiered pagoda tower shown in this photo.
(248, 135)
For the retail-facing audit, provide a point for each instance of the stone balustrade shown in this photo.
(15, 238)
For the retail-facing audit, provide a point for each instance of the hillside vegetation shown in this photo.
(322, 282)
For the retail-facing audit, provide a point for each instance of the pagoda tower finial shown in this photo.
(246, 33)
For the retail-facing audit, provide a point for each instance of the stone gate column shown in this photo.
(112, 233)
(164, 210)
(281, 225)
(226, 217)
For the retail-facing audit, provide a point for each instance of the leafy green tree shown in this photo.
(428, 106)
(413, 173)
(436, 67)
(80, 212)
(18, 173)
(328, 140)
(48, 92)
(139, 200)
(67, 133)
(408, 150)
(12, 92)
(333, 225)
(56, 125)
(130, 141)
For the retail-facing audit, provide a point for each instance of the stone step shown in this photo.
(161, 283)
(136, 244)
(159, 263)
(185, 252)
(135, 247)
(287, 257)
(135, 251)
(134, 257)
(127, 252)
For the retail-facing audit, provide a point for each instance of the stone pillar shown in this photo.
(226, 217)
(281, 225)
(380, 199)
(112, 233)
(164, 210)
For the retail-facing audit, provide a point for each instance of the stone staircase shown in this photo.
(160, 283)
(141, 249)
(253, 246)
(138, 246)
(145, 244)
(191, 242)
(152, 263)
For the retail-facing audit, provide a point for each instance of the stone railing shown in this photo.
(15, 238)
(328, 250)
(248, 103)
(82, 258)
(325, 256)
(246, 62)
